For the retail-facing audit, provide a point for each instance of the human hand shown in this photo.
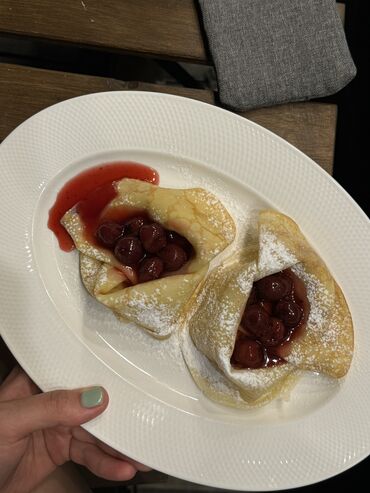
(39, 432)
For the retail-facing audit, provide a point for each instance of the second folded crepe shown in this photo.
(324, 344)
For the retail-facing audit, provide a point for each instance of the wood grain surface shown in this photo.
(309, 126)
(342, 11)
(163, 28)
(25, 91)
(160, 28)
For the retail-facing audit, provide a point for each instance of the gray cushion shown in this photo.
(268, 52)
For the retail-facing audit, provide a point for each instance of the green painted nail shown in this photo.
(92, 397)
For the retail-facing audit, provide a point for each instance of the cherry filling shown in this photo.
(144, 245)
(109, 233)
(276, 312)
(153, 237)
(173, 256)
(90, 191)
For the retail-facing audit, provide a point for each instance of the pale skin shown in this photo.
(39, 432)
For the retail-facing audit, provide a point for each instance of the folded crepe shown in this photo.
(325, 346)
(157, 305)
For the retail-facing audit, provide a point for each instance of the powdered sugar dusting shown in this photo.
(321, 301)
(103, 277)
(259, 380)
(201, 365)
(221, 220)
(151, 313)
(244, 282)
(273, 255)
(228, 318)
(91, 266)
(329, 332)
(239, 210)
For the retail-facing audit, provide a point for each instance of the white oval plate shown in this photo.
(63, 338)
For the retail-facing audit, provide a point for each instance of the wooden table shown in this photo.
(161, 29)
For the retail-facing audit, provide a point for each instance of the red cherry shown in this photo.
(173, 256)
(153, 237)
(132, 227)
(109, 233)
(173, 237)
(289, 312)
(248, 353)
(267, 306)
(150, 269)
(274, 287)
(255, 320)
(275, 333)
(129, 250)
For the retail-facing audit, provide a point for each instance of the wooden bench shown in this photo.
(157, 28)
(25, 90)
(168, 29)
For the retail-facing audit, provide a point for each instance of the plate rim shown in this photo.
(260, 128)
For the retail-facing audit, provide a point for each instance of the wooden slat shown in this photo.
(163, 28)
(342, 11)
(160, 28)
(24, 91)
(308, 126)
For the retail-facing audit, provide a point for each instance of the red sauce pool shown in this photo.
(92, 190)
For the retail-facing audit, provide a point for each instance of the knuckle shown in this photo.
(3, 419)
(7, 425)
(59, 403)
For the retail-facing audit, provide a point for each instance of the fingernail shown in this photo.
(92, 397)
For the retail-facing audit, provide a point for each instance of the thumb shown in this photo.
(60, 407)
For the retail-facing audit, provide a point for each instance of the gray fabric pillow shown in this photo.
(268, 52)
